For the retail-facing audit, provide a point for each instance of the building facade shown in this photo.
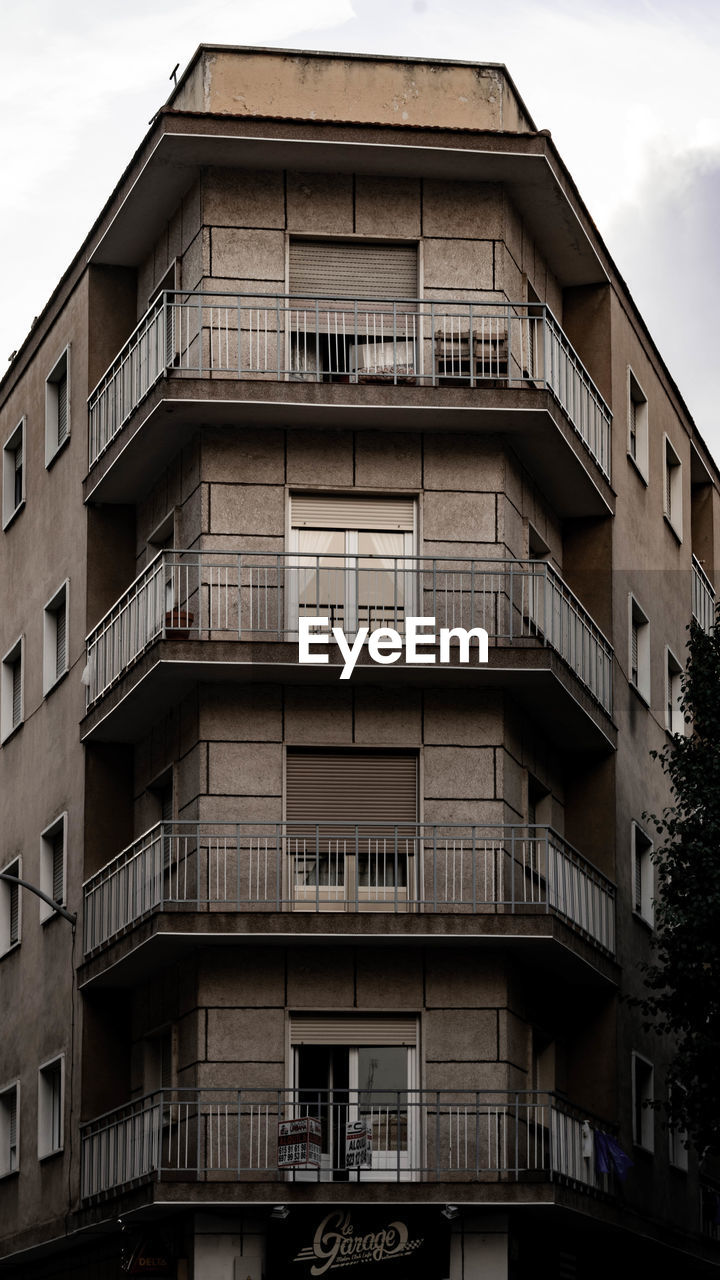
(358, 899)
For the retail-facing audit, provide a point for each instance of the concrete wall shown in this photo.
(351, 88)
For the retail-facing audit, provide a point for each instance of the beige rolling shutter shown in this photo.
(339, 269)
(314, 511)
(340, 1029)
(378, 788)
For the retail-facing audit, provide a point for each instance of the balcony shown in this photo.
(257, 598)
(210, 1136)
(404, 346)
(703, 597)
(417, 869)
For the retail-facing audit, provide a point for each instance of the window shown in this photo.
(639, 649)
(349, 564)
(376, 340)
(674, 720)
(53, 843)
(637, 425)
(642, 1096)
(50, 1107)
(9, 1129)
(677, 1137)
(333, 858)
(673, 488)
(358, 1070)
(11, 690)
(13, 496)
(9, 909)
(55, 637)
(57, 407)
(642, 873)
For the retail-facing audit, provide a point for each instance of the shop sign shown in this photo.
(299, 1143)
(152, 1257)
(347, 1243)
(358, 1145)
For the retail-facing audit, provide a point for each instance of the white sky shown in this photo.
(629, 89)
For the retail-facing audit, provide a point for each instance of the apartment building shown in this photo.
(343, 350)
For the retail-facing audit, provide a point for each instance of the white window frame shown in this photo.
(8, 1165)
(16, 440)
(643, 1118)
(637, 418)
(677, 1137)
(46, 1145)
(46, 865)
(14, 868)
(59, 371)
(672, 487)
(638, 620)
(674, 719)
(58, 601)
(14, 655)
(641, 847)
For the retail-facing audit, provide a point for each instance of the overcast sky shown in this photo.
(628, 88)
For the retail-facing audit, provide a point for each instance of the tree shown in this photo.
(682, 983)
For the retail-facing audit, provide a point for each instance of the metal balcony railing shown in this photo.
(703, 597)
(260, 596)
(213, 1135)
(321, 339)
(341, 866)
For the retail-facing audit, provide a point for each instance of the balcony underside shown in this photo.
(524, 164)
(538, 938)
(536, 678)
(530, 420)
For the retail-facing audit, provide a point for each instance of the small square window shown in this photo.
(13, 495)
(674, 720)
(50, 1107)
(53, 853)
(10, 909)
(57, 407)
(643, 1093)
(55, 637)
(642, 873)
(637, 424)
(11, 690)
(9, 1130)
(639, 649)
(673, 489)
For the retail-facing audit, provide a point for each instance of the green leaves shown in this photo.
(682, 983)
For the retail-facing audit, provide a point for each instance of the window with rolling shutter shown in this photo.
(13, 480)
(639, 645)
(57, 407)
(340, 789)
(62, 409)
(350, 512)
(60, 640)
(58, 865)
(351, 829)
(55, 637)
(14, 912)
(333, 269)
(341, 1029)
(10, 909)
(53, 855)
(11, 690)
(642, 891)
(16, 692)
(9, 1147)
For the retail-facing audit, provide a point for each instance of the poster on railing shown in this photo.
(358, 1145)
(299, 1143)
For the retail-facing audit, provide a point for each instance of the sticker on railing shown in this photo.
(385, 645)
